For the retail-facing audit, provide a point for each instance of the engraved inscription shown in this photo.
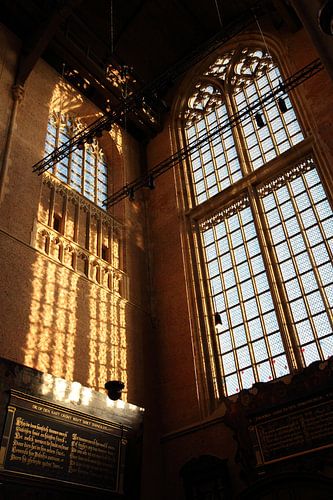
(38, 445)
(93, 456)
(61, 449)
(295, 431)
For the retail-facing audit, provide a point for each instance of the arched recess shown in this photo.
(251, 347)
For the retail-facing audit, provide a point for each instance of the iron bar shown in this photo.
(150, 90)
(285, 86)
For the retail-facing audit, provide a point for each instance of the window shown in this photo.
(105, 252)
(57, 219)
(263, 225)
(84, 170)
(72, 226)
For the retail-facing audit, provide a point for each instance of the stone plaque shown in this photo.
(44, 440)
(296, 429)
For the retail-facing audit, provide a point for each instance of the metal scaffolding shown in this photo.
(148, 180)
(152, 89)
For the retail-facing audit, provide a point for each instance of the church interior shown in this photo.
(166, 243)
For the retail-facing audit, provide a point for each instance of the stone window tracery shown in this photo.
(85, 170)
(265, 249)
(72, 227)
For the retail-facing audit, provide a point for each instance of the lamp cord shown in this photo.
(266, 46)
(111, 28)
(218, 12)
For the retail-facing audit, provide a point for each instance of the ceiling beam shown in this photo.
(128, 22)
(287, 14)
(99, 90)
(33, 48)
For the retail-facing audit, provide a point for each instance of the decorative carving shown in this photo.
(205, 98)
(58, 246)
(226, 212)
(220, 66)
(298, 169)
(60, 187)
(18, 92)
(251, 64)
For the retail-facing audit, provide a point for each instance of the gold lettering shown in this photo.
(38, 445)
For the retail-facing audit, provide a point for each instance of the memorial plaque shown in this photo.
(293, 430)
(49, 441)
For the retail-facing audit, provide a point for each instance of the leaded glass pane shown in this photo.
(305, 260)
(215, 166)
(84, 170)
(277, 129)
(295, 223)
(250, 333)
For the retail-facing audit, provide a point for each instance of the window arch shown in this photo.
(85, 170)
(231, 84)
(262, 224)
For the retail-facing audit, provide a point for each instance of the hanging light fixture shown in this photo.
(218, 322)
(282, 105)
(150, 182)
(114, 389)
(131, 194)
(280, 101)
(259, 117)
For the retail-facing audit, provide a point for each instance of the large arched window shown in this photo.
(263, 225)
(85, 170)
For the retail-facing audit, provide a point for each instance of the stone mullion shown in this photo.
(64, 213)
(214, 348)
(239, 139)
(280, 300)
(51, 206)
(99, 237)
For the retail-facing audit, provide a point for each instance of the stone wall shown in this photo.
(188, 427)
(53, 318)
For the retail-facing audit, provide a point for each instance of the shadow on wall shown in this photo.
(77, 329)
(77, 314)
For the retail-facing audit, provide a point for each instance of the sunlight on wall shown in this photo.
(63, 390)
(107, 339)
(77, 316)
(65, 99)
(50, 346)
(51, 343)
(117, 138)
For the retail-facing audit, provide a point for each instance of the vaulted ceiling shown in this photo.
(110, 48)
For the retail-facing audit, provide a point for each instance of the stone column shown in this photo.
(18, 93)
(308, 12)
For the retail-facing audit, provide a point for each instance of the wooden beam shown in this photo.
(128, 22)
(33, 49)
(288, 15)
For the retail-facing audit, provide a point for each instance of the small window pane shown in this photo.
(78, 164)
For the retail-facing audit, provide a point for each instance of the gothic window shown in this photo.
(85, 170)
(263, 225)
(72, 226)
